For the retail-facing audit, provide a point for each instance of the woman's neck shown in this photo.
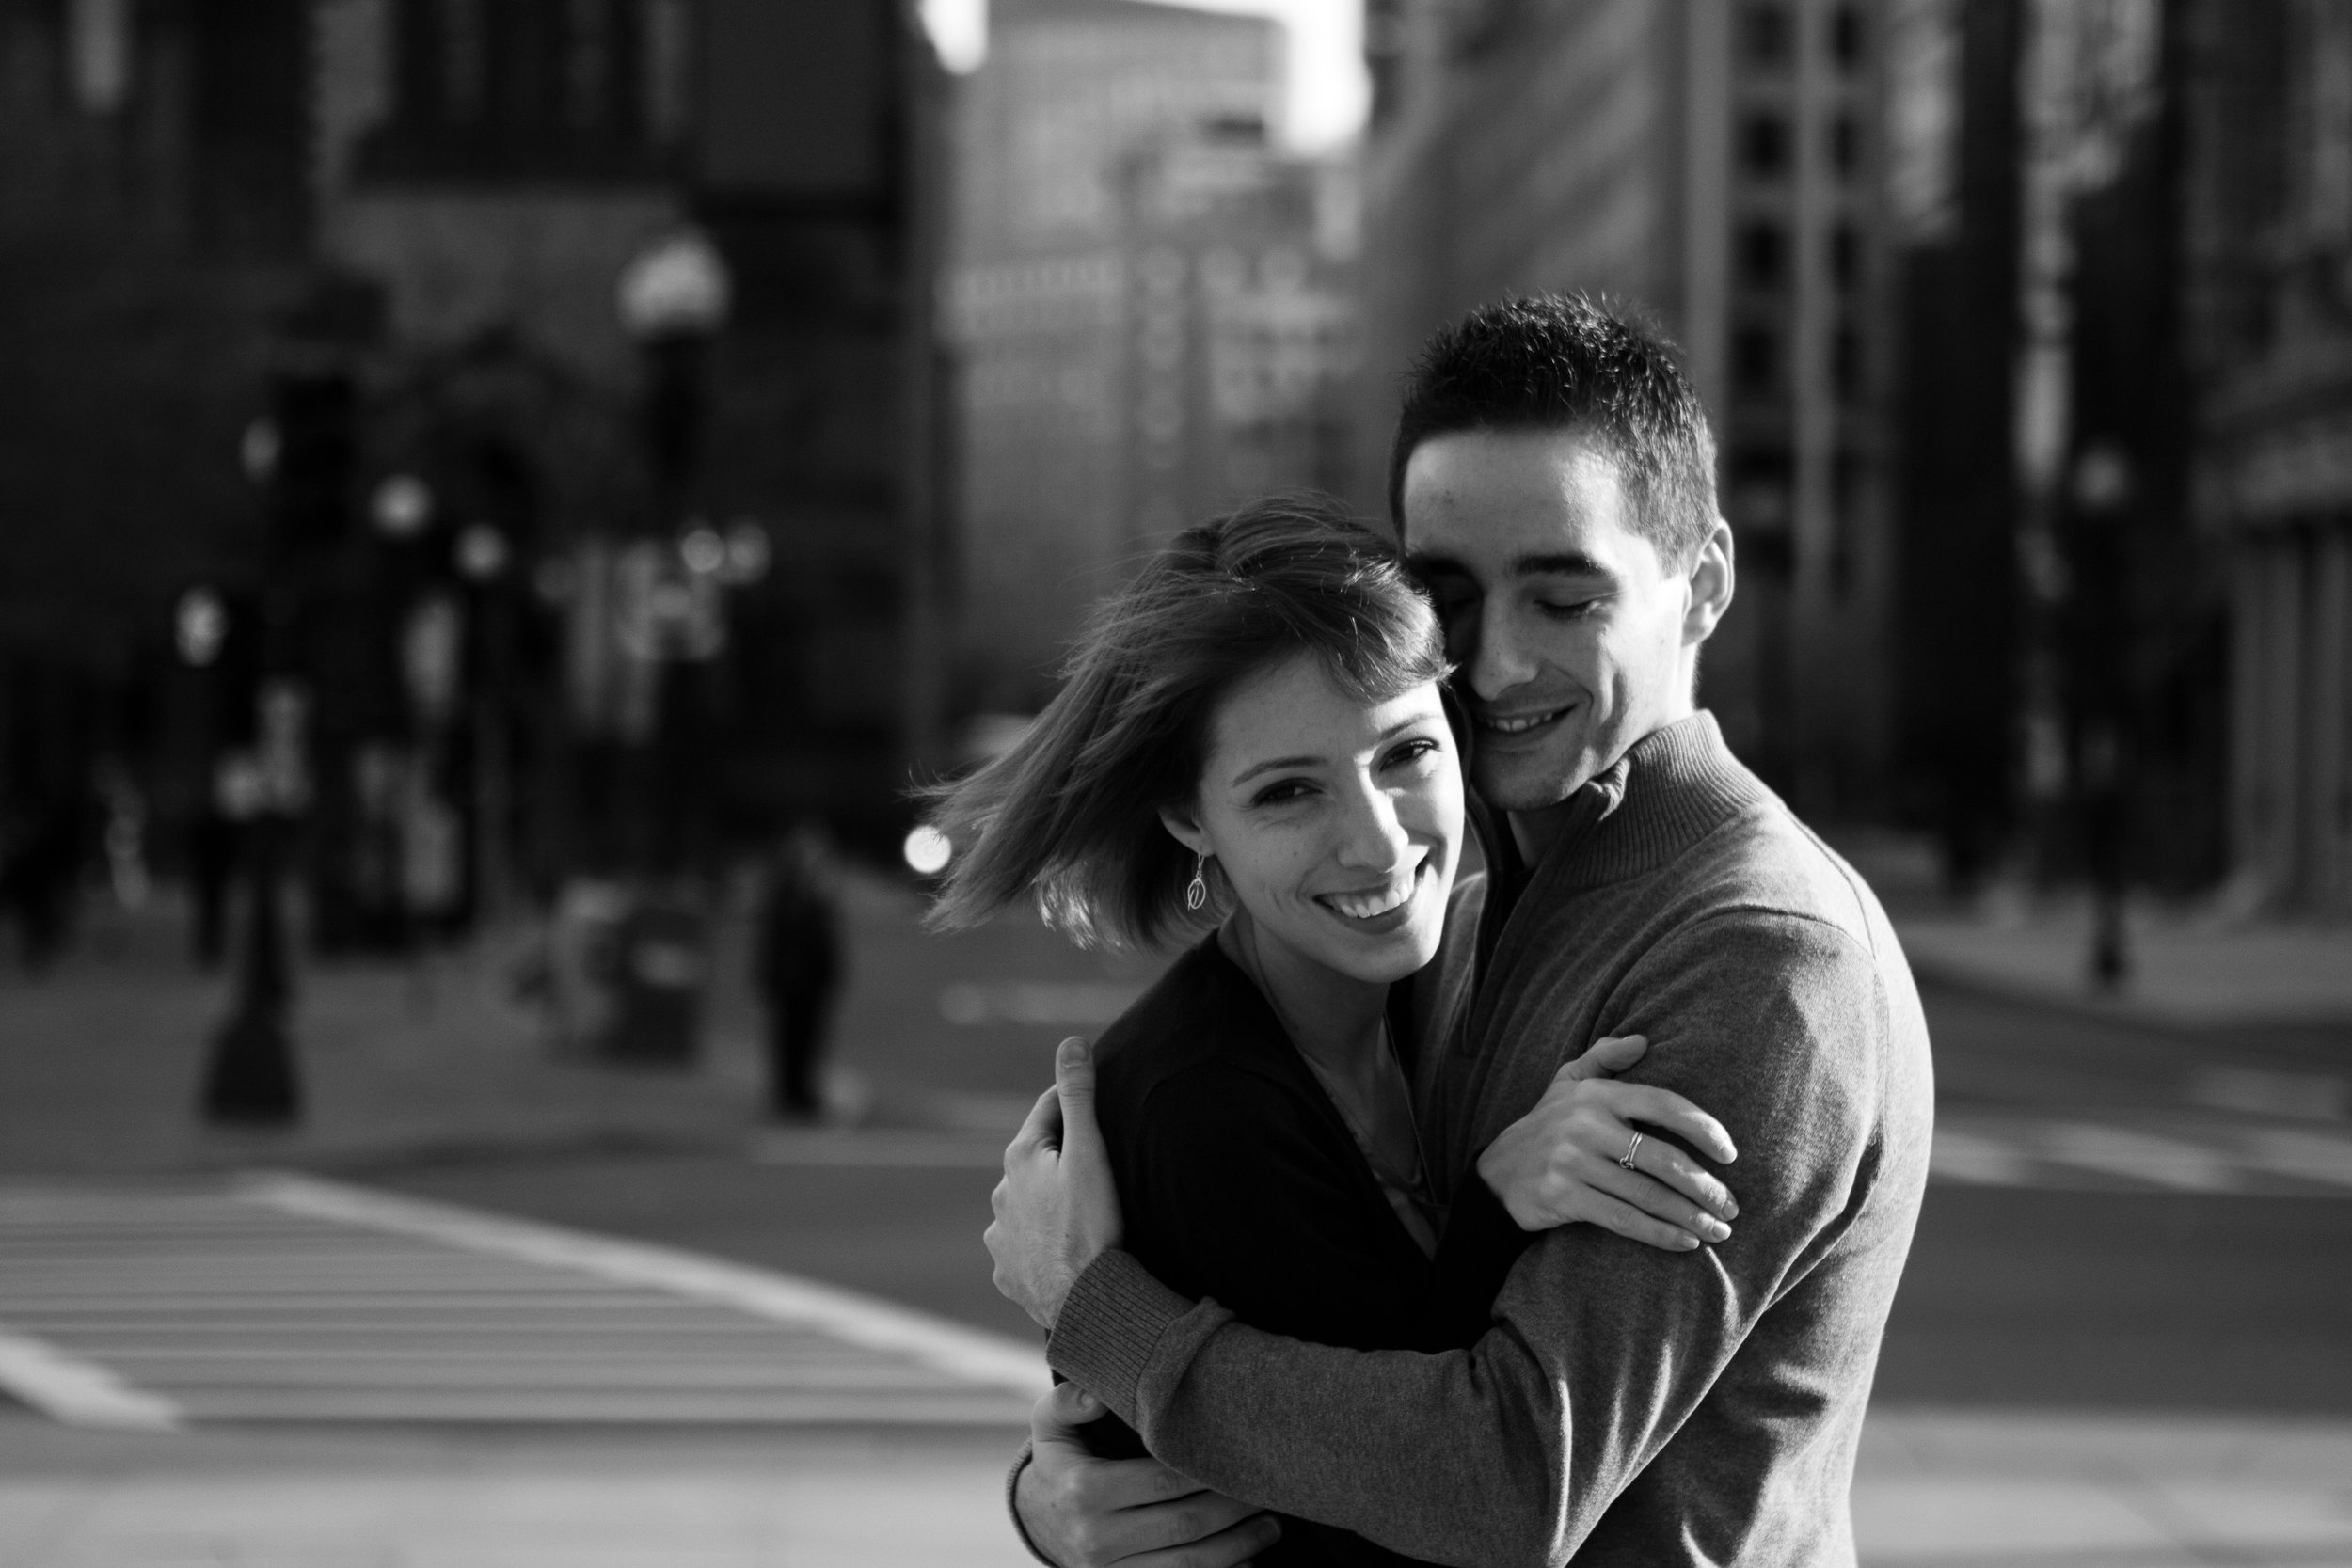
(1334, 1018)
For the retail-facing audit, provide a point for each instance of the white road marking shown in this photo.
(1959, 1156)
(285, 1298)
(869, 1321)
(80, 1393)
(2142, 1156)
(2177, 1154)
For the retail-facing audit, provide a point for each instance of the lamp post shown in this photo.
(673, 298)
(301, 456)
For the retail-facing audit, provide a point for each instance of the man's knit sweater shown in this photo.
(1627, 1404)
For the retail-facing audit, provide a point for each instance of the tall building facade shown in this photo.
(1237, 332)
(1720, 166)
(2269, 233)
(493, 168)
(1053, 133)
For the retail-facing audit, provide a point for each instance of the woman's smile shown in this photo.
(1373, 905)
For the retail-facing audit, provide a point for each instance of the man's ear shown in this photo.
(1184, 830)
(1713, 579)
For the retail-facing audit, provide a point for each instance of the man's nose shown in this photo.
(1371, 836)
(1498, 662)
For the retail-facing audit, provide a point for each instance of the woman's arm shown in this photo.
(1567, 1159)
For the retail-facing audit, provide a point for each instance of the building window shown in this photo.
(1760, 488)
(1849, 374)
(1845, 257)
(1846, 39)
(1762, 249)
(668, 61)
(1845, 146)
(1756, 362)
(1764, 146)
(1764, 34)
(464, 59)
(587, 60)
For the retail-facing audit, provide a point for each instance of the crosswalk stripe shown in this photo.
(284, 1298)
(1982, 1149)
(78, 1391)
(864, 1320)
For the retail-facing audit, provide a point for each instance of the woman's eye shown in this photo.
(1414, 750)
(1276, 794)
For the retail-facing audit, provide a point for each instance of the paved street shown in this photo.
(616, 1320)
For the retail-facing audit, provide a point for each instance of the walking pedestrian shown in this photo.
(798, 958)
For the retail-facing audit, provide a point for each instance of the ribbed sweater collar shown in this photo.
(1672, 789)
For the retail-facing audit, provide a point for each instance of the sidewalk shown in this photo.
(2187, 972)
(1934, 1490)
(100, 1062)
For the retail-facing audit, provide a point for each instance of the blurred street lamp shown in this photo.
(2103, 488)
(401, 506)
(200, 627)
(259, 450)
(679, 285)
(748, 552)
(703, 552)
(481, 553)
(928, 850)
(673, 297)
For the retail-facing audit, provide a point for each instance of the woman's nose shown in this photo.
(1371, 837)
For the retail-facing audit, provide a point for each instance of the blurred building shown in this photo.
(1237, 330)
(154, 206)
(1721, 167)
(2269, 231)
(1075, 307)
(493, 167)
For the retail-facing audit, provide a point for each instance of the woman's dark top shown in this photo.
(1238, 1180)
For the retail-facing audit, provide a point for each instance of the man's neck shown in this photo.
(1537, 830)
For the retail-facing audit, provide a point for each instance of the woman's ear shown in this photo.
(1184, 830)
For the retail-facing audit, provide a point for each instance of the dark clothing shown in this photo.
(799, 967)
(1238, 1180)
(1627, 1405)
(797, 1020)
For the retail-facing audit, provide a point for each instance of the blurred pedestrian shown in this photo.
(40, 867)
(798, 963)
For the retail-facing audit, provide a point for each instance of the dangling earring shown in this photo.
(1196, 890)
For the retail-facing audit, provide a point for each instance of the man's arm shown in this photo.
(1079, 1512)
(1510, 1452)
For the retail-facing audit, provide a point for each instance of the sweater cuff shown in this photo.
(1012, 1504)
(1110, 1323)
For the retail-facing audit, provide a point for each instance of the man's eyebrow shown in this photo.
(1427, 563)
(1570, 564)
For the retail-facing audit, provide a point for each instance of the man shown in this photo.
(1552, 480)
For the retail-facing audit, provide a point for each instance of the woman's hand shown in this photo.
(1561, 1162)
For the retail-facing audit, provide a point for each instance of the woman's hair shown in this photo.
(1072, 812)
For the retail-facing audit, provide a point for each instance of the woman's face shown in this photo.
(1338, 825)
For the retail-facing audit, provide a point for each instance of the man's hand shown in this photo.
(1057, 1209)
(1083, 1511)
(1563, 1161)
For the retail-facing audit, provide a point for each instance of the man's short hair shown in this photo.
(1553, 362)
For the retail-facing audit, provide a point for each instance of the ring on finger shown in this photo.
(1630, 1150)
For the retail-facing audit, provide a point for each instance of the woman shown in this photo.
(1253, 737)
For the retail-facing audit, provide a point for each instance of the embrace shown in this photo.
(1400, 1221)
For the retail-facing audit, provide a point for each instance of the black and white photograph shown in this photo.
(1175, 783)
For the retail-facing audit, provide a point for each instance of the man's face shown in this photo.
(1574, 640)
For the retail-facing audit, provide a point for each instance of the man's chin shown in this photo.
(1527, 782)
